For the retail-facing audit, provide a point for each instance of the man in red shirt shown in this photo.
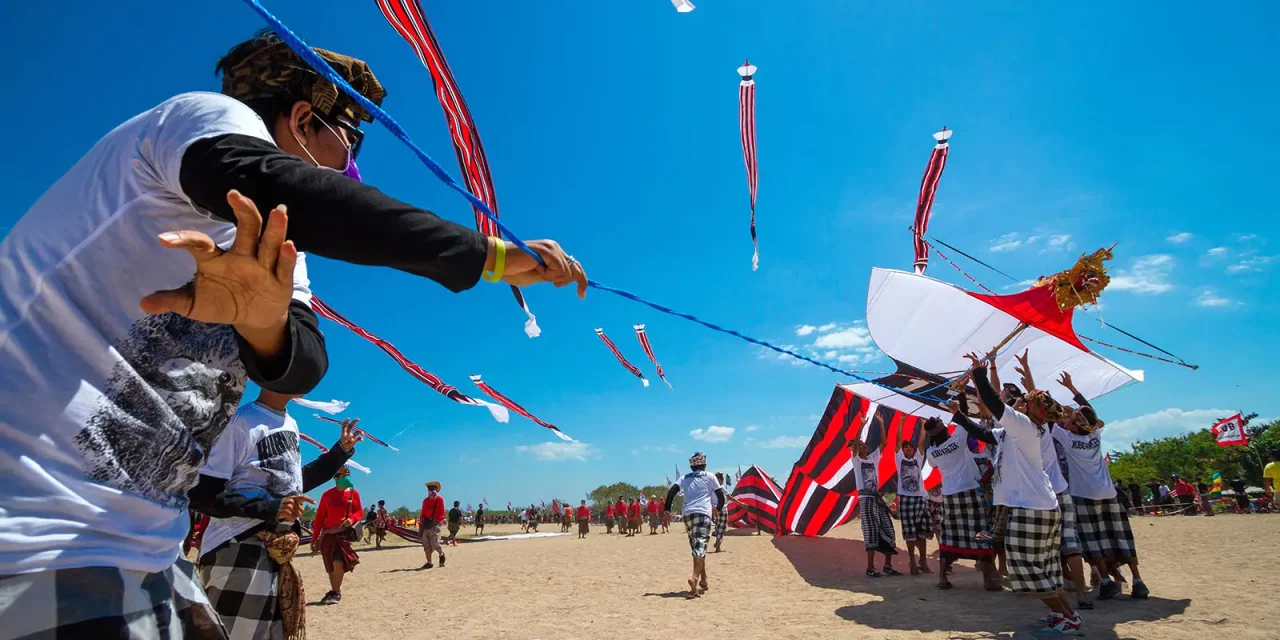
(652, 510)
(608, 517)
(633, 521)
(584, 519)
(620, 509)
(432, 515)
(339, 510)
(568, 518)
(1186, 494)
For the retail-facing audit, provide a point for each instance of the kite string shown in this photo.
(322, 67)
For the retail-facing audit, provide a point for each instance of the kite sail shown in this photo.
(648, 351)
(332, 407)
(323, 449)
(924, 201)
(367, 436)
(754, 502)
(747, 126)
(683, 6)
(821, 492)
(325, 311)
(507, 402)
(618, 354)
(410, 21)
(932, 325)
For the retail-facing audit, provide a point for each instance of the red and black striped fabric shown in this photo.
(618, 354)
(747, 126)
(924, 201)
(754, 501)
(821, 492)
(410, 21)
(648, 351)
(508, 403)
(325, 311)
(367, 436)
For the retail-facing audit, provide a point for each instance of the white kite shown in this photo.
(683, 6)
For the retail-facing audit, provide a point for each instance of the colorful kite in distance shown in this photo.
(747, 125)
(325, 311)
(506, 402)
(648, 351)
(410, 21)
(924, 201)
(618, 354)
(683, 6)
(367, 436)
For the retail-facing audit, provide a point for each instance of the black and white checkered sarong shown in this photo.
(1070, 541)
(877, 524)
(1103, 527)
(721, 521)
(964, 516)
(107, 602)
(913, 513)
(240, 578)
(1031, 543)
(698, 526)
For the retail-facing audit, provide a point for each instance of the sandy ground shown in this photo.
(1209, 578)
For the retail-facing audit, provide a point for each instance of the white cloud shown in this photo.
(754, 427)
(805, 329)
(1006, 242)
(1148, 275)
(1209, 298)
(1246, 237)
(1179, 238)
(785, 442)
(847, 338)
(1253, 264)
(827, 327)
(1160, 424)
(1216, 252)
(559, 451)
(712, 434)
(1060, 241)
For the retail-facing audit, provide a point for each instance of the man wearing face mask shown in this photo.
(120, 369)
(336, 515)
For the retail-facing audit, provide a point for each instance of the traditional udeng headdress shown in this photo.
(698, 459)
(276, 71)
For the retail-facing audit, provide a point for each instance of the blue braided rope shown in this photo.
(322, 67)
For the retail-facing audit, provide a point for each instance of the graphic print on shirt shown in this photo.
(163, 407)
(281, 461)
(909, 475)
(870, 475)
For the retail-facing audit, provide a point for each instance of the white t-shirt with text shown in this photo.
(1090, 477)
(1049, 460)
(1020, 480)
(954, 460)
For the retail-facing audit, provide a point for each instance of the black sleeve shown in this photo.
(720, 499)
(330, 214)
(1087, 409)
(671, 496)
(988, 395)
(974, 430)
(302, 364)
(321, 470)
(210, 496)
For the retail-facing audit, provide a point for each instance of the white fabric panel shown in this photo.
(931, 325)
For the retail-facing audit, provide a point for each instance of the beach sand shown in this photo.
(1209, 578)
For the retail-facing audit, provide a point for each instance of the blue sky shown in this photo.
(612, 127)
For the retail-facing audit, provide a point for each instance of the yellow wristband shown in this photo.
(499, 261)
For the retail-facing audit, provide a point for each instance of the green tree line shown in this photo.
(1196, 456)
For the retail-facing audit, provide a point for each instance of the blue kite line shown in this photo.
(322, 67)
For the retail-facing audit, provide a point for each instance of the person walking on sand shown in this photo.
(719, 518)
(620, 508)
(608, 517)
(635, 516)
(429, 520)
(566, 521)
(651, 509)
(455, 523)
(584, 520)
(380, 524)
(336, 516)
(480, 519)
(702, 493)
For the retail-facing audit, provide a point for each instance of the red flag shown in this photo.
(1229, 432)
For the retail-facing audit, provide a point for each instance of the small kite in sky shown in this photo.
(648, 351)
(924, 202)
(508, 403)
(621, 359)
(683, 6)
(747, 126)
(332, 407)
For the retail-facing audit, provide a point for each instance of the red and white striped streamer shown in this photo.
(323, 449)
(325, 311)
(367, 436)
(924, 202)
(747, 125)
(648, 351)
(618, 354)
(508, 403)
(410, 21)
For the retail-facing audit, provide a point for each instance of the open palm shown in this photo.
(248, 286)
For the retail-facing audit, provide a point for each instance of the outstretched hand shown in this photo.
(561, 269)
(1024, 370)
(974, 360)
(248, 286)
(350, 435)
(1065, 380)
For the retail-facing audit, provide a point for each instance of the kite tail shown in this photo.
(621, 359)
(508, 403)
